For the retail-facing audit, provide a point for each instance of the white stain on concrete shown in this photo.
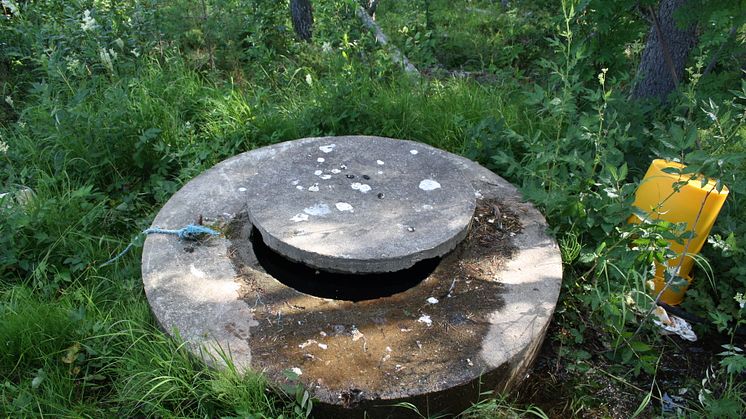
(379, 162)
(343, 206)
(299, 217)
(196, 272)
(241, 189)
(325, 177)
(413, 152)
(307, 343)
(327, 148)
(429, 185)
(425, 319)
(295, 182)
(314, 188)
(300, 188)
(335, 171)
(318, 172)
(320, 160)
(380, 172)
(360, 187)
(427, 207)
(356, 334)
(319, 209)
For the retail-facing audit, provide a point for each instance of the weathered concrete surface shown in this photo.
(360, 204)
(494, 303)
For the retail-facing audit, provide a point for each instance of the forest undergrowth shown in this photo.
(108, 107)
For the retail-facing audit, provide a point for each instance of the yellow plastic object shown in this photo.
(671, 295)
(657, 197)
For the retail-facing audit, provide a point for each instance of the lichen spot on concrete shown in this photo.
(300, 188)
(429, 185)
(360, 187)
(295, 182)
(325, 177)
(327, 148)
(343, 206)
(335, 171)
(413, 152)
(425, 319)
(196, 272)
(299, 217)
(319, 209)
(318, 172)
(321, 160)
(427, 207)
(241, 189)
(315, 187)
(379, 162)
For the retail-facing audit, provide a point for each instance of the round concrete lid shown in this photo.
(360, 204)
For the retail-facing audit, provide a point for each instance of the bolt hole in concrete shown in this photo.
(338, 286)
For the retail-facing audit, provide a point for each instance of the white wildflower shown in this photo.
(106, 59)
(135, 52)
(11, 6)
(326, 47)
(9, 100)
(73, 65)
(88, 23)
(3, 147)
(309, 80)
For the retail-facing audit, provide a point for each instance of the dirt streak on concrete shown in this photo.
(415, 338)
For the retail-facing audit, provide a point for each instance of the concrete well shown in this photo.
(469, 276)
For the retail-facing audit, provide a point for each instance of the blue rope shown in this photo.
(190, 232)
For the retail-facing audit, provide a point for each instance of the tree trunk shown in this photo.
(396, 55)
(665, 54)
(371, 8)
(428, 16)
(302, 16)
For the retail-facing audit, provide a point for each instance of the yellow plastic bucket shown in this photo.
(672, 295)
(657, 197)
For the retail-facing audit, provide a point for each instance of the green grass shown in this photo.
(102, 148)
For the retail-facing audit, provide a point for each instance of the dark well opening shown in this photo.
(335, 285)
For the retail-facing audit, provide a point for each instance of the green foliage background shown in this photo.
(101, 122)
